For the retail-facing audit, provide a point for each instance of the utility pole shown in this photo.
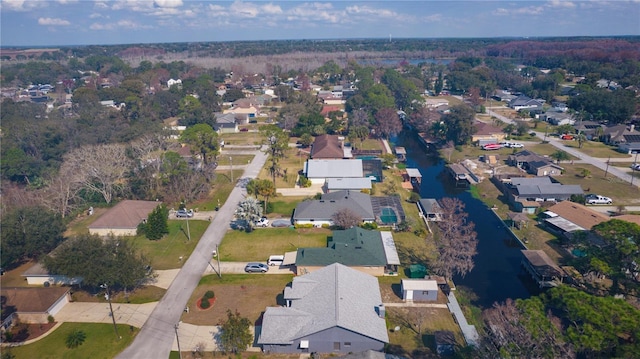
(178, 339)
(231, 165)
(632, 172)
(113, 318)
(607, 170)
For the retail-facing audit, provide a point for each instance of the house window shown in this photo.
(336, 345)
(347, 344)
(425, 292)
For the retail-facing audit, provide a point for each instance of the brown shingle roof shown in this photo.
(327, 146)
(126, 214)
(33, 300)
(576, 213)
(487, 129)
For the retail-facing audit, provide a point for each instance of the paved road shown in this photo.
(560, 144)
(158, 333)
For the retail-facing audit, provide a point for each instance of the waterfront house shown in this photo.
(319, 170)
(567, 217)
(430, 209)
(534, 164)
(487, 133)
(330, 147)
(371, 252)
(334, 309)
(526, 193)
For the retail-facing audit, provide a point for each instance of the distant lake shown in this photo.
(396, 61)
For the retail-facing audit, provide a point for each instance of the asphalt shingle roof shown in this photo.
(334, 296)
(126, 214)
(323, 209)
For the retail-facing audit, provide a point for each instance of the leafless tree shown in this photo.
(387, 123)
(359, 118)
(515, 332)
(448, 150)
(423, 118)
(61, 194)
(191, 186)
(457, 240)
(346, 218)
(101, 168)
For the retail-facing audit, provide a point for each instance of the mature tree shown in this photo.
(581, 138)
(28, 233)
(457, 240)
(601, 104)
(387, 123)
(598, 327)
(460, 124)
(404, 91)
(622, 252)
(346, 218)
(520, 329)
(359, 133)
(236, 334)
(98, 261)
(358, 118)
(264, 188)
(250, 211)
(157, 224)
(62, 191)
(203, 141)
(562, 129)
(102, 168)
(275, 142)
(422, 118)
(306, 140)
(560, 155)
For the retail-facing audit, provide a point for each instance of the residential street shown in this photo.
(158, 334)
(596, 162)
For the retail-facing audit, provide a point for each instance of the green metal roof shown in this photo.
(350, 247)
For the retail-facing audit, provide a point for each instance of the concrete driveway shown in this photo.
(238, 268)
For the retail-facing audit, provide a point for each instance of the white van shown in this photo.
(275, 260)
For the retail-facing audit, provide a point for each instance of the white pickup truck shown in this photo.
(597, 199)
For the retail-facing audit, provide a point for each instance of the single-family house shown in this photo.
(527, 193)
(383, 210)
(319, 170)
(558, 118)
(244, 108)
(503, 95)
(328, 98)
(226, 123)
(123, 218)
(319, 212)
(430, 209)
(534, 164)
(419, 290)
(335, 309)
(435, 102)
(32, 305)
(37, 274)
(567, 217)
(615, 135)
(330, 147)
(524, 102)
(172, 82)
(591, 129)
(326, 109)
(487, 133)
(371, 252)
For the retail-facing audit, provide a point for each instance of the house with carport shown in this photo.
(335, 310)
(123, 218)
(371, 252)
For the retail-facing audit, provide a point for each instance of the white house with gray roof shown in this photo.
(319, 212)
(333, 310)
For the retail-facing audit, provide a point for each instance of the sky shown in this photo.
(98, 22)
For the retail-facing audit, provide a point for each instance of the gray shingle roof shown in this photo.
(335, 296)
(126, 214)
(323, 209)
(333, 168)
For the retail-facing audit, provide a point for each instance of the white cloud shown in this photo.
(64, 2)
(21, 5)
(95, 15)
(244, 9)
(561, 4)
(168, 3)
(433, 18)
(529, 10)
(101, 5)
(49, 21)
(98, 26)
(316, 11)
(122, 24)
(271, 9)
(369, 11)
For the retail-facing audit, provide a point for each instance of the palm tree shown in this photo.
(75, 339)
(581, 139)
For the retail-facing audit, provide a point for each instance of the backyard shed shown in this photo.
(419, 290)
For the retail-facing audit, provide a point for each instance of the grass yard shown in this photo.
(284, 206)
(236, 160)
(222, 187)
(407, 341)
(597, 149)
(165, 253)
(620, 191)
(142, 295)
(292, 162)
(259, 244)
(242, 138)
(249, 294)
(100, 342)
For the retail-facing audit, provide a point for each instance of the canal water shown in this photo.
(496, 275)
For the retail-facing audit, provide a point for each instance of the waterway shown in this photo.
(496, 275)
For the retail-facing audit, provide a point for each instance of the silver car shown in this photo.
(254, 267)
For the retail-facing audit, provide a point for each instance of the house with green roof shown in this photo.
(371, 252)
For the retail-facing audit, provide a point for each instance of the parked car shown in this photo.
(275, 260)
(491, 146)
(281, 223)
(597, 199)
(255, 267)
(183, 213)
(635, 166)
(263, 222)
(566, 136)
(511, 144)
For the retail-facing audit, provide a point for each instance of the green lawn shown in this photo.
(235, 160)
(284, 206)
(596, 149)
(100, 342)
(620, 191)
(165, 253)
(259, 244)
(242, 138)
(222, 187)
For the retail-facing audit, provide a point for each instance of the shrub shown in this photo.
(209, 294)
(414, 197)
(50, 319)
(372, 225)
(204, 303)
(307, 225)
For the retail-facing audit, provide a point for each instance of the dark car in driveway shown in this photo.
(255, 267)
